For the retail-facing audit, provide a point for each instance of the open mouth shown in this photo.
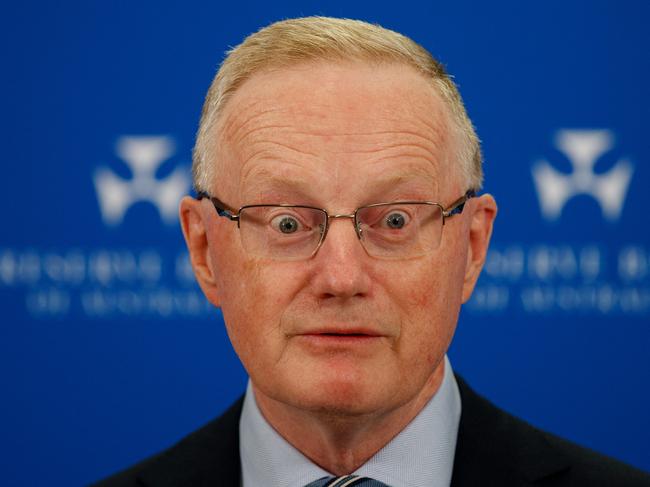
(337, 338)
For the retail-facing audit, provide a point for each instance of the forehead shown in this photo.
(325, 121)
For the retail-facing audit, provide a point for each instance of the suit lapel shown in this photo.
(207, 457)
(495, 448)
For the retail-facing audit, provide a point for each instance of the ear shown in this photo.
(194, 221)
(484, 210)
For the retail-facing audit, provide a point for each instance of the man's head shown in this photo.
(337, 114)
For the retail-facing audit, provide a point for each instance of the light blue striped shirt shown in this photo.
(421, 455)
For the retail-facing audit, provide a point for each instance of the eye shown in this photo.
(396, 220)
(285, 224)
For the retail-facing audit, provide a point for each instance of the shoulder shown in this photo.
(208, 456)
(496, 448)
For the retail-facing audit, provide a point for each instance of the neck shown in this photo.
(341, 443)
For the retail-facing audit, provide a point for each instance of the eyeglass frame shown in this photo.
(223, 210)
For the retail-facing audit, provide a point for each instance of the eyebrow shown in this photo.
(400, 190)
(420, 179)
(272, 186)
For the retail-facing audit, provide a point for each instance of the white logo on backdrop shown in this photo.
(583, 148)
(143, 155)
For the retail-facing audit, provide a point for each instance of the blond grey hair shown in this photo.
(294, 41)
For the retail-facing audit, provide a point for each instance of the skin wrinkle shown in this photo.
(430, 152)
(234, 132)
(257, 176)
(272, 145)
(404, 146)
(425, 144)
(268, 152)
(235, 136)
(231, 118)
(339, 404)
(430, 149)
(412, 184)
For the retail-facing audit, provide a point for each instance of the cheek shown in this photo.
(423, 287)
(427, 295)
(255, 295)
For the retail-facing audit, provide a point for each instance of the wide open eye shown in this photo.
(396, 220)
(391, 218)
(286, 224)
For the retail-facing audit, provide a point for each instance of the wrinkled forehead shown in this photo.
(330, 121)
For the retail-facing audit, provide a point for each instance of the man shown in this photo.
(339, 228)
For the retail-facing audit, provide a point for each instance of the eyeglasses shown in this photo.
(397, 230)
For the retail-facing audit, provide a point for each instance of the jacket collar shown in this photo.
(494, 445)
(207, 457)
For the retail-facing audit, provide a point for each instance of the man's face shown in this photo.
(340, 331)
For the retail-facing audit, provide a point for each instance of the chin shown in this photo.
(345, 396)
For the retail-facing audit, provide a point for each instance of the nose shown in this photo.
(341, 269)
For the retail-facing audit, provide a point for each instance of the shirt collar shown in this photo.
(421, 455)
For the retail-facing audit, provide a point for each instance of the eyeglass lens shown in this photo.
(400, 230)
(394, 230)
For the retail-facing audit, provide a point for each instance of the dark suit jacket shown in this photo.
(493, 449)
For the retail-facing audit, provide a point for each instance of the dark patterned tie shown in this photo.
(346, 481)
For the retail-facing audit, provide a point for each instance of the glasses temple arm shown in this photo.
(457, 206)
(222, 208)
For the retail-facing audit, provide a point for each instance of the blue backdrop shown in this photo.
(109, 352)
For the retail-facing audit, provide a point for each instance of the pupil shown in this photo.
(288, 225)
(395, 220)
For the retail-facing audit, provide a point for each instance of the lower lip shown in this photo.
(340, 340)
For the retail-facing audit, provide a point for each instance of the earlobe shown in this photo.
(194, 225)
(483, 215)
